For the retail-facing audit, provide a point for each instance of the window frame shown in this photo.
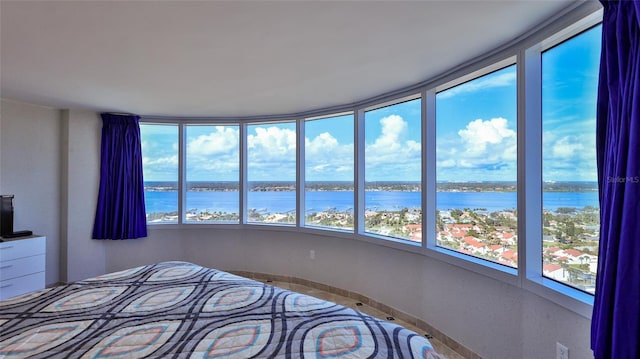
(245, 177)
(182, 155)
(302, 206)
(432, 244)
(168, 122)
(361, 186)
(484, 267)
(533, 278)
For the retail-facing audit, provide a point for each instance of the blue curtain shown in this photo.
(120, 213)
(615, 326)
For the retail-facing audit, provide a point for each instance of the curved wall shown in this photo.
(492, 318)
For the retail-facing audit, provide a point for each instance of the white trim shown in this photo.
(572, 30)
(182, 173)
(429, 158)
(575, 300)
(300, 173)
(331, 115)
(393, 101)
(244, 182)
(359, 146)
(397, 243)
(532, 165)
(496, 66)
(329, 232)
(478, 265)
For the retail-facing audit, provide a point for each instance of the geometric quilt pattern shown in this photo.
(182, 310)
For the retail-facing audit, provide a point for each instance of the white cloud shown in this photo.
(327, 159)
(482, 150)
(222, 141)
(569, 157)
(567, 147)
(318, 168)
(214, 156)
(392, 155)
(272, 154)
(321, 145)
(160, 161)
(344, 169)
(490, 144)
(448, 163)
(479, 134)
(394, 129)
(272, 142)
(160, 168)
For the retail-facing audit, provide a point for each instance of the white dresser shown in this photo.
(22, 265)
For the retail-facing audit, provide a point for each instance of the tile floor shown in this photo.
(351, 303)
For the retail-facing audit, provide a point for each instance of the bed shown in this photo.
(183, 310)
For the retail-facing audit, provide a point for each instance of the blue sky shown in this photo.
(476, 133)
(569, 94)
(159, 152)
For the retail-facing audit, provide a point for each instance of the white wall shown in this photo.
(83, 256)
(30, 170)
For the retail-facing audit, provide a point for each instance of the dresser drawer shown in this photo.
(22, 248)
(22, 266)
(21, 285)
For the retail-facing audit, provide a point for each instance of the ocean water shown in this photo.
(166, 201)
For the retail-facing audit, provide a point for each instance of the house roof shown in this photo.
(551, 267)
(573, 252)
(509, 254)
(473, 242)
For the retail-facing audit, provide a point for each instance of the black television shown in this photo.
(6, 214)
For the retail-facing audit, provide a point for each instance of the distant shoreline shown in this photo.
(335, 186)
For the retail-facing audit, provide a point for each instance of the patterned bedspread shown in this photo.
(182, 310)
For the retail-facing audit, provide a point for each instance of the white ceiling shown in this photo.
(240, 58)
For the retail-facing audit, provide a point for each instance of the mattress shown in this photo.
(183, 310)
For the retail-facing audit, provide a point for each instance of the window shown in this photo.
(393, 171)
(160, 167)
(476, 167)
(329, 176)
(212, 174)
(570, 192)
(271, 173)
